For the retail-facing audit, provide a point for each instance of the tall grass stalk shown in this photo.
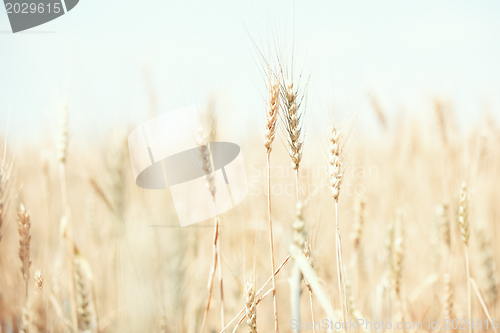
(270, 133)
(207, 165)
(62, 149)
(336, 175)
(463, 223)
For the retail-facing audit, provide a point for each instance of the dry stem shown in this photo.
(287, 259)
(271, 242)
(212, 273)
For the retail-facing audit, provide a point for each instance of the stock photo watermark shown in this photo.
(446, 324)
(204, 178)
(350, 186)
(26, 14)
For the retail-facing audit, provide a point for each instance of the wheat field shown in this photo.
(395, 227)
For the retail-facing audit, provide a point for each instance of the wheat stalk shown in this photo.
(117, 162)
(444, 231)
(287, 259)
(463, 223)
(351, 301)
(270, 132)
(206, 164)
(336, 175)
(212, 273)
(488, 266)
(307, 255)
(378, 111)
(357, 232)
(439, 110)
(62, 150)
(116, 171)
(298, 241)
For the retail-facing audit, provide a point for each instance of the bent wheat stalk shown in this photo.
(481, 300)
(210, 183)
(287, 259)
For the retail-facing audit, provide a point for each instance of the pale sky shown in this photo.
(95, 56)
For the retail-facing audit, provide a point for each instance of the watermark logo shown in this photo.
(164, 153)
(26, 14)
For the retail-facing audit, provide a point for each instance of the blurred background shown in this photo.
(118, 62)
(416, 86)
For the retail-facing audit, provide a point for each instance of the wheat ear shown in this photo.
(488, 266)
(448, 296)
(251, 306)
(463, 223)
(82, 296)
(287, 259)
(359, 221)
(271, 119)
(397, 258)
(293, 122)
(33, 314)
(444, 225)
(272, 112)
(24, 248)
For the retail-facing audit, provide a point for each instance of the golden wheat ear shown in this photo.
(24, 243)
(448, 296)
(273, 104)
(463, 223)
(251, 306)
(293, 122)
